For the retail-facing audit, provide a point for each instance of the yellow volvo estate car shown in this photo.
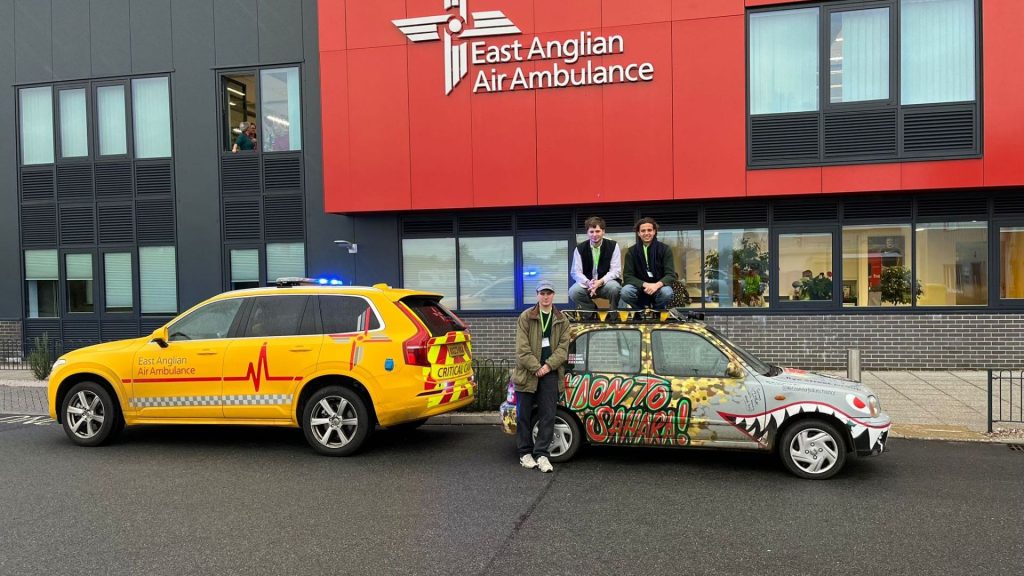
(335, 361)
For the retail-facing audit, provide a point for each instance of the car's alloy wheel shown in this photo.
(89, 414)
(813, 449)
(566, 440)
(335, 421)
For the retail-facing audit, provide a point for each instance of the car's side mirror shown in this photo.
(160, 337)
(734, 370)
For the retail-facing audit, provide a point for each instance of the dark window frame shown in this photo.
(222, 106)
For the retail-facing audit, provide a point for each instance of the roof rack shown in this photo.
(638, 316)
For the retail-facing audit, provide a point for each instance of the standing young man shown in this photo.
(650, 269)
(596, 268)
(542, 346)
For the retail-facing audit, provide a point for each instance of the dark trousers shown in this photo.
(543, 401)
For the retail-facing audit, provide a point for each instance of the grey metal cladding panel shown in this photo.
(240, 173)
(33, 329)
(861, 133)
(237, 36)
(116, 223)
(71, 49)
(74, 182)
(33, 49)
(119, 330)
(78, 333)
(112, 50)
(282, 172)
(786, 137)
(280, 27)
(283, 217)
(10, 251)
(77, 225)
(37, 183)
(38, 226)
(242, 219)
(939, 130)
(154, 220)
(193, 34)
(378, 259)
(151, 36)
(153, 177)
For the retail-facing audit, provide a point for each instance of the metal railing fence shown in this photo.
(1005, 397)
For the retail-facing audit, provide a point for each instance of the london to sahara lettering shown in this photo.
(609, 416)
(557, 76)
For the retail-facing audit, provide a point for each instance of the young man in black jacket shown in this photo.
(650, 269)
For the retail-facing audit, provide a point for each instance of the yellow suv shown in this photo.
(335, 361)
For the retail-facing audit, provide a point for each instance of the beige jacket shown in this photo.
(528, 340)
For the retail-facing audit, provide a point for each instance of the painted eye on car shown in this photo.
(858, 403)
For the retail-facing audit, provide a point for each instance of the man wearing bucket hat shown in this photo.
(542, 347)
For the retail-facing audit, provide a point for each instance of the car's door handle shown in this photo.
(207, 352)
(300, 349)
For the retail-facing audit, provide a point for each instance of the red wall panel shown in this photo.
(334, 115)
(440, 135)
(369, 23)
(784, 182)
(519, 12)
(505, 149)
(709, 125)
(690, 9)
(566, 15)
(379, 129)
(626, 12)
(861, 178)
(331, 24)
(638, 119)
(1004, 106)
(945, 174)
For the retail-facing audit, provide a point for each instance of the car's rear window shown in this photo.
(438, 319)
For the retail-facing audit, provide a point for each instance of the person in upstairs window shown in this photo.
(542, 347)
(650, 269)
(246, 138)
(596, 268)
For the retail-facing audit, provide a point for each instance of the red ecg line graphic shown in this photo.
(260, 372)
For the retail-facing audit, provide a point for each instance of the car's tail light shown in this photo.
(415, 348)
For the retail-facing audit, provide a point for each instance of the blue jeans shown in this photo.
(634, 297)
(581, 296)
(545, 398)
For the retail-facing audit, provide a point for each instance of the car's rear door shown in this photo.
(696, 369)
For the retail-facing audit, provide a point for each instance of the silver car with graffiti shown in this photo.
(666, 379)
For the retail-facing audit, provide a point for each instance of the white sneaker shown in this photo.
(528, 462)
(544, 464)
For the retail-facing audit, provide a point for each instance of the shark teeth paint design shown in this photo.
(756, 425)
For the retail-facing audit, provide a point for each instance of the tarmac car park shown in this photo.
(664, 378)
(335, 361)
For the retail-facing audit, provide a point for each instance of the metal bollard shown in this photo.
(853, 364)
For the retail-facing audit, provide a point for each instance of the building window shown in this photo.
(158, 279)
(111, 121)
(1011, 263)
(74, 123)
(859, 55)
(36, 106)
(546, 260)
(805, 267)
(952, 264)
(239, 92)
(41, 280)
(428, 264)
(280, 106)
(784, 61)
(245, 269)
(687, 255)
(736, 271)
(117, 282)
(487, 273)
(78, 274)
(151, 115)
(876, 266)
(937, 51)
(286, 260)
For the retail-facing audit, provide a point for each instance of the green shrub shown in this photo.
(40, 359)
(491, 384)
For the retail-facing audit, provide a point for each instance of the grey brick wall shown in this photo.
(886, 342)
(10, 339)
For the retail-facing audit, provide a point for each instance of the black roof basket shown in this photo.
(638, 316)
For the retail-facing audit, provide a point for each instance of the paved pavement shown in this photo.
(937, 405)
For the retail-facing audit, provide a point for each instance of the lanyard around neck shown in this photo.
(544, 325)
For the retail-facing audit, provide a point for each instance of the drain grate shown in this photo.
(1016, 447)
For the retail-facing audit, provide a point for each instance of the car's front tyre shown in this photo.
(89, 415)
(335, 421)
(812, 449)
(567, 438)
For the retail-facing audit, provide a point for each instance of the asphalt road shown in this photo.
(453, 500)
